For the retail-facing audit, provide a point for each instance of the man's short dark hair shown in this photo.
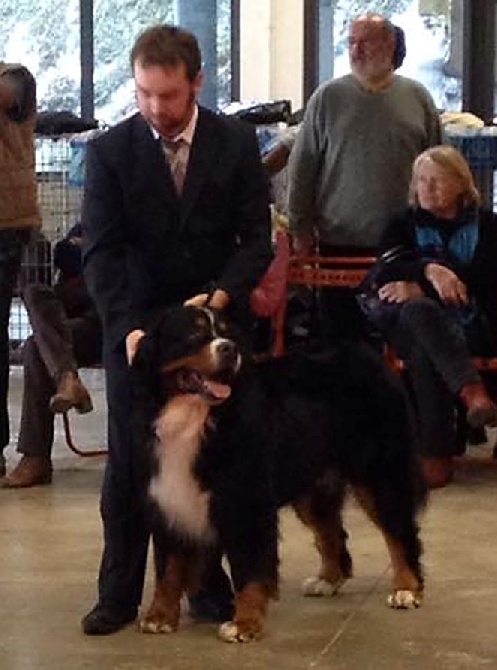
(168, 45)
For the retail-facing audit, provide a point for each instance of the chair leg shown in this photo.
(72, 446)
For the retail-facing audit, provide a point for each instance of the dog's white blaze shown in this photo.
(218, 340)
(210, 316)
(179, 430)
(216, 345)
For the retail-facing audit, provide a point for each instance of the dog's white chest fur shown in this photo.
(179, 431)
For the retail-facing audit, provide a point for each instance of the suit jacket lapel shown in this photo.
(151, 172)
(201, 161)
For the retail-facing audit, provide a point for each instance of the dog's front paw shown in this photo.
(404, 599)
(317, 586)
(230, 631)
(153, 623)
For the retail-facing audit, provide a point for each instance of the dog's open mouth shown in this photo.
(192, 381)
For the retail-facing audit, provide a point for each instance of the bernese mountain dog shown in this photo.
(233, 441)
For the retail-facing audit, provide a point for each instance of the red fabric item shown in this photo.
(267, 297)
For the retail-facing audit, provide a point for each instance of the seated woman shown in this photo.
(441, 302)
(66, 334)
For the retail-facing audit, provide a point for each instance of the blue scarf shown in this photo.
(460, 247)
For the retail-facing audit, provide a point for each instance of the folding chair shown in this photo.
(314, 271)
(85, 453)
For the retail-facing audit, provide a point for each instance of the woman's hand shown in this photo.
(400, 291)
(446, 283)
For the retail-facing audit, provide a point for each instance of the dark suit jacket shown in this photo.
(145, 247)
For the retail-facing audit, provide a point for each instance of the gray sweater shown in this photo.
(351, 163)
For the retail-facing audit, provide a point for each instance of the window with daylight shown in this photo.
(47, 38)
(433, 30)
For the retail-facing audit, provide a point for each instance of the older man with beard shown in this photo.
(350, 167)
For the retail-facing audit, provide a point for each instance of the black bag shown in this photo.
(390, 266)
(264, 113)
(400, 264)
(57, 123)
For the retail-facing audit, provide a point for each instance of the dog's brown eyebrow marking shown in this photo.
(200, 359)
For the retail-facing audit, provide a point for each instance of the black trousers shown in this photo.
(123, 504)
(66, 335)
(12, 243)
(438, 365)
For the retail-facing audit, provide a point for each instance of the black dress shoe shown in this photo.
(210, 608)
(102, 620)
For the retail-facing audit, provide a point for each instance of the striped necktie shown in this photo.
(175, 152)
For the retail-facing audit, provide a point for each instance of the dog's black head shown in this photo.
(189, 350)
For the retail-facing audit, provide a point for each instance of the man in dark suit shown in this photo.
(175, 210)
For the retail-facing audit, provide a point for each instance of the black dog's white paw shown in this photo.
(155, 626)
(404, 599)
(231, 632)
(317, 586)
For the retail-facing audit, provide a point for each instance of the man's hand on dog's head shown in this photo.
(132, 340)
(218, 300)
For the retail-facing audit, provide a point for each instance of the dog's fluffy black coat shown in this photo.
(292, 430)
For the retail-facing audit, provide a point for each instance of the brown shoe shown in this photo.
(30, 471)
(438, 470)
(482, 411)
(71, 392)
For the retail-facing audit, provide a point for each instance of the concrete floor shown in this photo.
(50, 549)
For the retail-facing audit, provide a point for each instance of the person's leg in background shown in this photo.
(11, 246)
(54, 337)
(440, 372)
(434, 414)
(214, 599)
(443, 340)
(36, 431)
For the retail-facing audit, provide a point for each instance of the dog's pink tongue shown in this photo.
(218, 390)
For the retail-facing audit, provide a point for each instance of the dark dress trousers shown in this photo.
(432, 341)
(145, 247)
(66, 335)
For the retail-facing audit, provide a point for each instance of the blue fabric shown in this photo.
(461, 246)
(459, 249)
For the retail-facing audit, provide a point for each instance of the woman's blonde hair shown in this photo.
(453, 162)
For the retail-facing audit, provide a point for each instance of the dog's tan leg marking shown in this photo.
(407, 592)
(330, 543)
(250, 614)
(164, 611)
